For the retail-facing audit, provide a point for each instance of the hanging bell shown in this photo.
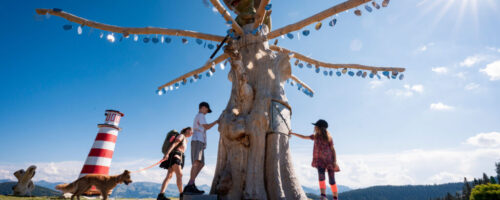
(317, 69)
(378, 76)
(331, 73)
(168, 39)
(199, 41)
(184, 81)
(191, 80)
(296, 62)
(269, 6)
(276, 42)
(159, 92)
(79, 30)
(359, 73)
(289, 35)
(344, 70)
(371, 75)
(67, 27)
(110, 38)
(394, 73)
(208, 74)
(305, 32)
(301, 65)
(401, 76)
(196, 76)
(309, 65)
(338, 73)
(368, 8)
(136, 37)
(176, 85)
(333, 22)
(351, 73)
(357, 12)
(101, 35)
(184, 41)
(364, 75)
(385, 3)
(210, 46)
(375, 4)
(318, 26)
(386, 74)
(155, 40)
(212, 69)
(145, 40)
(325, 73)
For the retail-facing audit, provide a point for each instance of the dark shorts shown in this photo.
(173, 160)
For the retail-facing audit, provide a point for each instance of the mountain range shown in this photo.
(150, 190)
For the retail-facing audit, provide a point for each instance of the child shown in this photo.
(324, 156)
(174, 161)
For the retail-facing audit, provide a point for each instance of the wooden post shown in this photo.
(317, 17)
(129, 30)
(261, 13)
(196, 71)
(227, 16)
(333, 66)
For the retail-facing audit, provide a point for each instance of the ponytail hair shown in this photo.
(184, 130)
(323, 134)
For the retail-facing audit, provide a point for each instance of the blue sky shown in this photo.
(439, 124)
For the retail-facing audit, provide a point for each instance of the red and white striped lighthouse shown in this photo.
(99, 158)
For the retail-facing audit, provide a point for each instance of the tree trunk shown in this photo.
(254, 159)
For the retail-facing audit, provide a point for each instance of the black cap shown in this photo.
(321, 123)
(206, 105)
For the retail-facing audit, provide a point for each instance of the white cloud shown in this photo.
(491, 139)
(376, 83)
(493, 49)
(417, 166)
(472, 60)
(440, 70)
(471, 86)
(461, 75)
(440, 106)
(492, 70)
(425, 47)
(407, 91)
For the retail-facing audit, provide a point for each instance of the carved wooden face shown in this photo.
(241, 6)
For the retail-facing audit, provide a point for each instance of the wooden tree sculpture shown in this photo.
(254, 160)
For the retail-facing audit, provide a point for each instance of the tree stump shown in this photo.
(24, 184)
(254, 160)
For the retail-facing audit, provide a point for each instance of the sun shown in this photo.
(457, 8)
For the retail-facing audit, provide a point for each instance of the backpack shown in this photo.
(169, 140)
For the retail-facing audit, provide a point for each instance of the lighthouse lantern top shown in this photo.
(113, 117)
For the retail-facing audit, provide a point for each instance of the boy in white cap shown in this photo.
(198, 146)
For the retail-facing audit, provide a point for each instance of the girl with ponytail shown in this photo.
(324, 156)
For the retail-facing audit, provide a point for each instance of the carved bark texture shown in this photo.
(254, 160)
(24, 184)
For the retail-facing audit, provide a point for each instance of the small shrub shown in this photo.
(486, 192)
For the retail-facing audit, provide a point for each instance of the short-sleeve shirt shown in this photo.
(322, 153)
(199, 132)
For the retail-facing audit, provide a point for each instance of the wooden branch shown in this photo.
(227, 16)
(205, 67)
(317, 17)
(129, 30)
(301, 83)
(261, 13)
(333, 66)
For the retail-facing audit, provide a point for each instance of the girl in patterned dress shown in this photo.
(324, 156)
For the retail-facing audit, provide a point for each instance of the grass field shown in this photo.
(2, 197)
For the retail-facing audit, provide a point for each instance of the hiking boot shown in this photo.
(197, 190)
(191, 189)
(162, 196)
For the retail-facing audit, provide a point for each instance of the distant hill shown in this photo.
(6, 189)
(341, 188)
(408, 192)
